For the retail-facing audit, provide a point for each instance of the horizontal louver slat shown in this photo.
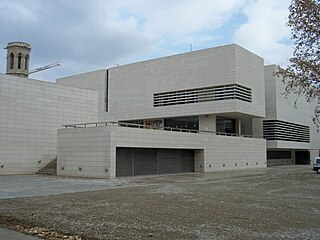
(207, 94)
(285, 131)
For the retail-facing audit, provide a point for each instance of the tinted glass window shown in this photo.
(225, 125)
(278, 154)
(184, 123)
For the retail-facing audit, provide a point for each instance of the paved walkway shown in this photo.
(6, 234)
(12, 186)
(42, 185)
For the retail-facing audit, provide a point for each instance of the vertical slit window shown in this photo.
(26, 62)
(11, 60)
(19, 60)
(106, 91)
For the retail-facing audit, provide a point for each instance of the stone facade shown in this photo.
(91, 151)
(215, 102)
(288, 109)
(18, 58)
(229, 83)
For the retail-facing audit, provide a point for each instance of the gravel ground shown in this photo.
(279, 203)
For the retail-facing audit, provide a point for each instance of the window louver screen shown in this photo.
(285, 131)
(207, 94)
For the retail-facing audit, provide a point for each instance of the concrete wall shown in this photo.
(31, 111)
(91, 152)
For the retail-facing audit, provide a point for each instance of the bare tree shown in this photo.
(302, 76)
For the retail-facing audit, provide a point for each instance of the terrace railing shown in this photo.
(141, 126)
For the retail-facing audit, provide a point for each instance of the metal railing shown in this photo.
(141, 126)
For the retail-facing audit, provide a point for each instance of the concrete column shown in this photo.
(112, 162)
(207, 123)
(313, 154)
(238, 126)
(293, 156)
(199, 160)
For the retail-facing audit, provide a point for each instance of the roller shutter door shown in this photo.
(186, 161)
(124, 162)
(168, 161)
(145, 161)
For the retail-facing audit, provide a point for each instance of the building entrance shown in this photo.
(302, 157)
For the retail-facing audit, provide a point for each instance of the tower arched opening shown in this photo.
(19, 60)
(11, 60)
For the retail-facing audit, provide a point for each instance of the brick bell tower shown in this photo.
(18, 57)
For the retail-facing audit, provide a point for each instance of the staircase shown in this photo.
(50, 168)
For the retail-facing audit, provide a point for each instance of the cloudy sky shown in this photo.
(87, 35)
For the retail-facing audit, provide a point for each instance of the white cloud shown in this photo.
(180, 17)
(265, 32)
(87, 35)
(173, 25)
(79, 34)
(10, 10)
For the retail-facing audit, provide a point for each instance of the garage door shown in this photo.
(148, 161)
(186, 162)
(124, 165)
(168, 160)
(302, 157)
(145, 161)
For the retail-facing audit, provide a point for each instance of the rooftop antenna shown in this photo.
(190, 47)
(44, 67)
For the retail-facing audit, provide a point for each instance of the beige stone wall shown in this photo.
(31, 111)
(94, 80)
(132, 86)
